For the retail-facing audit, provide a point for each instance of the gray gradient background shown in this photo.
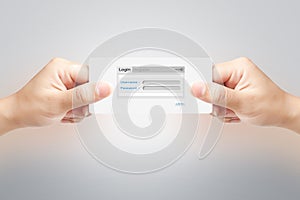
(248, 163)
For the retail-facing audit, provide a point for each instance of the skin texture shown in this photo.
(248, 95)
(60, 93)
(51, 97)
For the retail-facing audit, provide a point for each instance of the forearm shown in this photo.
(8, 114)
(291, 113)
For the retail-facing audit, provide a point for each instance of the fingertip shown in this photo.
(103, 89)
(199, 89)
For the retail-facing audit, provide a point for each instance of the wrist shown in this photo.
(8, 114)
(290, 117)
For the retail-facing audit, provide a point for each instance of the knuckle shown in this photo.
(244, 58)
(57, 60)
(228, 98)
(56, 63)
(217, 94)
(80, 96)
(245, 63)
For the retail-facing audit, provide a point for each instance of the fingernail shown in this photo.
(199, 89)
(202, 88)
(102, 89)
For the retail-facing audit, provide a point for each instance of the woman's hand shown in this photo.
(51, 96)
(250, 96)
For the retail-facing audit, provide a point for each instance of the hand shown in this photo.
(249, 95)
(51, 96)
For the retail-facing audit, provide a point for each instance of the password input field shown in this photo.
(161, 88)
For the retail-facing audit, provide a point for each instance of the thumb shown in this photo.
(215, 94)
(86, 94)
